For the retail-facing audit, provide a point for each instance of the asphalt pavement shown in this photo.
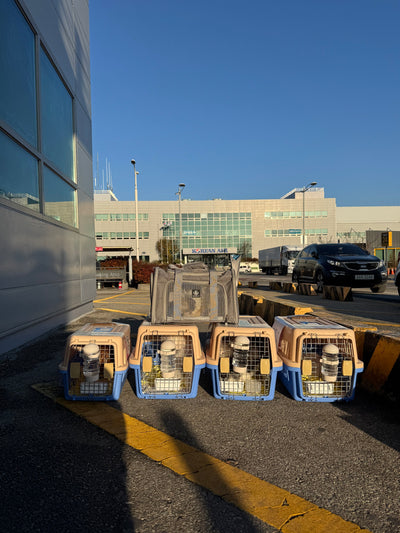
(63, 473)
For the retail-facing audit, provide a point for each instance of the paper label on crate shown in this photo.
(315, 325)
(104, 329)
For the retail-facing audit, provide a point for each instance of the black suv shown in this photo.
(340, 264)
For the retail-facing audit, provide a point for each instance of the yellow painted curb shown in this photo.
(274, 506)
(383, 359)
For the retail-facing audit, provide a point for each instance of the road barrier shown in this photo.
(333, 292)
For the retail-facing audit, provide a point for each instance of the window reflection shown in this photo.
(56, 114)
(18, 174)
(59, 198)
(17, 87)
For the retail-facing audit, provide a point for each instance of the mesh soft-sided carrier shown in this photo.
(167, 361)
(320, 361)
(101, 374)
(242, 360)
(194, 293)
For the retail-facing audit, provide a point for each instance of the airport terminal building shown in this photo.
(47, 271)
(213, 229)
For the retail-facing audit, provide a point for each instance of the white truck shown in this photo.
(278, 260)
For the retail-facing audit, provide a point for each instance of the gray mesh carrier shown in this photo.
(194, 293)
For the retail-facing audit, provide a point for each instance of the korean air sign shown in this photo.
(200, 251)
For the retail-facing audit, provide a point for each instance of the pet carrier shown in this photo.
(319, 357)
(242, 360)
(95, 363)
(194, 293)
(167, 361)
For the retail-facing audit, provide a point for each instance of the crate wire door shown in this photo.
(313, 381)
(78, 386)
(176, 377)
(253, 378)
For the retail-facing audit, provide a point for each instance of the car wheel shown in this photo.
(319, 280)
(379, 288)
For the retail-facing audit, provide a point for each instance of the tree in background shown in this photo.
(168, 250)
(245, 250)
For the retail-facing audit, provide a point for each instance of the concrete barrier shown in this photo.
(289, 287)
(380, 353)
(333, 292)
(307, 289)
(275, 285)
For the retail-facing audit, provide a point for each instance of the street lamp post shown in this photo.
(136, 210)
(180, 188)
(303, 190)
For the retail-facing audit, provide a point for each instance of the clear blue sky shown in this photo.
(248, 99)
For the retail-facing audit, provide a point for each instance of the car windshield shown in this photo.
(340, 249)
(292, 254)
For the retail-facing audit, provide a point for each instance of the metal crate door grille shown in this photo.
(78, 386)
(174, 374)
(314, 384)
(252, 377)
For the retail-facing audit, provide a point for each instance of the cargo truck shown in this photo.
(279, 259)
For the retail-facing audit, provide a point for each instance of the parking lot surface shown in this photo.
(64, 471)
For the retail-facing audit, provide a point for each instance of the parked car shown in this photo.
(397, 278)
(340, 264)
(244, 268)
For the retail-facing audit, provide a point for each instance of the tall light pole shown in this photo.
(180, 188)
(136, 210)
(303, 190)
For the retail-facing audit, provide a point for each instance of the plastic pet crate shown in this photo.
(242, 360)
(320, 362)
(194, 293)
(95, 363)
(167, 361)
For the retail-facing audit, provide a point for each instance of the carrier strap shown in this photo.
(178, 294)
(213, 295)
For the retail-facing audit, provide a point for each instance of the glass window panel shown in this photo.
(18, 174)
(17, 72)
(59, 198)
(57, 124)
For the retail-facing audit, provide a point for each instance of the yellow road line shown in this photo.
(115, 296)
(129, 303)
(118, 311)
(274, 506)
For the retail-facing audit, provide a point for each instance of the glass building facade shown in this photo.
(47, 275)
(36, 119)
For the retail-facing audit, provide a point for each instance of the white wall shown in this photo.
(47, 270)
